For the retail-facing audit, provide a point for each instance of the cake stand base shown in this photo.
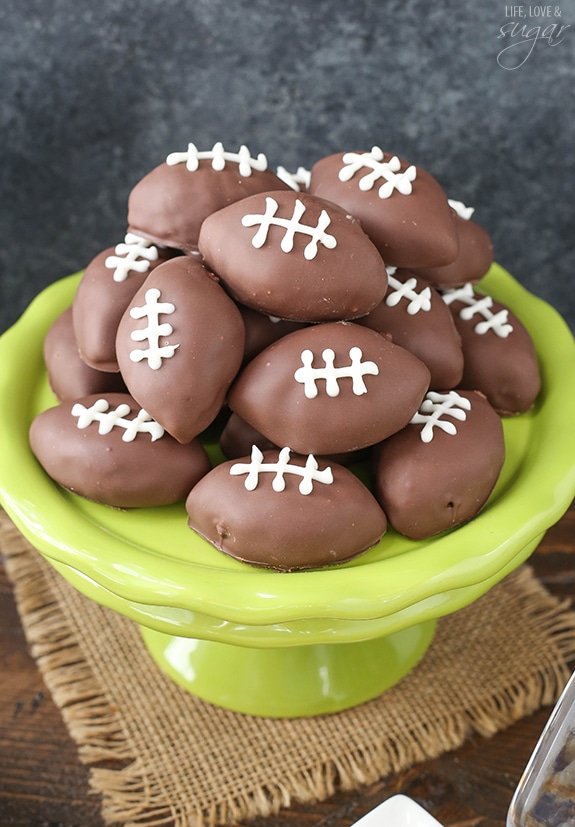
(291, 681)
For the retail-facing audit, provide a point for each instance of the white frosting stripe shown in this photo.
(309, 473)
(151, 310)
(296, 180)
(377, 170)
(406, 290)
(437, 405)
(356, 370)
(219, 157)
(497, 322)
(460, 208)
(134, 253)
(108, 419)
(292, 226)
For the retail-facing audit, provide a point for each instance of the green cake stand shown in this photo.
(303, 643)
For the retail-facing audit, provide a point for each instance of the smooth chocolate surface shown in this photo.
(262, 330)
(86, 446)
(170, 203)
(426, 487)
(499, 354)
(237, 439)
(292, 255)
(107, 286)
(473, 260)
(69, 376)
(414, 230)
(180, 343)
(266, 520)
(375, 388)
(414, 316)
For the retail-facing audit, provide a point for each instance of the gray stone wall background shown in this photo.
(95, 94)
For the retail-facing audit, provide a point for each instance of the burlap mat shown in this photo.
(185, 762)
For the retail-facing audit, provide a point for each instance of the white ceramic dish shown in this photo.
(398, 811)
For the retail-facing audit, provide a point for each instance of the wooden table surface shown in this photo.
(43, 784)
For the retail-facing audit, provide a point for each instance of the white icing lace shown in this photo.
(356, 370)
(152, 310)
(99, 412)
(406, 290)
(389, 171)
(296, 180)
(434, 407)
(460, 208)
(292, 226)
(134, 253)
(309, 473)
(219, 157)
(497, 322)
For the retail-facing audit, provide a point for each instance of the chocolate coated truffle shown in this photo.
(179, 345)
(330, 387)
(291, 255)
(286, 512)
(439, 471)
(401, 207)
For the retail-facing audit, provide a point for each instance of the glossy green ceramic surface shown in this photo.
(149, 566)
(293, 681)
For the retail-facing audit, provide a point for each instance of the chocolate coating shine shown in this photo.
(285, 530)
(262, 330)
(503, 367)
(270, 398)
(342, 277)
(237, 439)
(425, 328)
(106, 469)
(429, 487)
(170, 203)
(416, 230)
(198, 340)
(69, 376)
(474, 258)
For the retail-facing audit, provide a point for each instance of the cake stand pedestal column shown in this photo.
(289, 681)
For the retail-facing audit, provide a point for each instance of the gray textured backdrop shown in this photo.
(93, 95)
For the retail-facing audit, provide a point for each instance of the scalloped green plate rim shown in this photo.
(150, 556)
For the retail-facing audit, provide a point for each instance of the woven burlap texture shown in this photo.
(190, 764)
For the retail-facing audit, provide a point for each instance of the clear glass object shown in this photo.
(545, 796)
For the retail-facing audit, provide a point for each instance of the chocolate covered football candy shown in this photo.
(169, 204)
(68, 375)
(179, 345)
(414, 316)
(296, 323)
(330, 387)
(439, 471)
(109, 450)
(474, 257)
(498, 352)
(284, 511)
(401, 207)
(291, 255)
(106, 288)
